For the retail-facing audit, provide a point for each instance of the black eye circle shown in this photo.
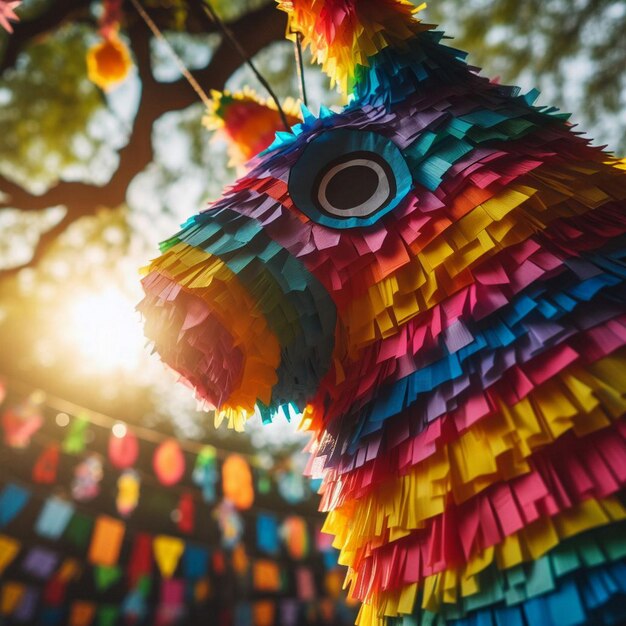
(354, 185)
(348, 178)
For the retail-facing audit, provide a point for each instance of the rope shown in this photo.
(300, 67)
(179, 62)
(211, 14)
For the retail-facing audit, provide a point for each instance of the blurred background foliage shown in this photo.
(64, 144)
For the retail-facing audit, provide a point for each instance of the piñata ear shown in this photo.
(345, 35)
(248, 122)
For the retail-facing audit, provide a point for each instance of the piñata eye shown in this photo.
(349, 178)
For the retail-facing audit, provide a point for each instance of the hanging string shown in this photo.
(209, 11)
(297, 44)
(107, 422)
(179, 62)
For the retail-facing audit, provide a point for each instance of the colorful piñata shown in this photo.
(435, 275)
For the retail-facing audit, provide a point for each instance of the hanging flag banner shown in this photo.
(205, 474)
(128, 487)
(45, 468)
(171, 602)
(185, 513)
(267, 533)
(9, 548)
(26, 609)
(105, 576)
(106, 541)
(124, 450)
(54, 518)
(295, 536)
(107, 615)
(82, 613)
(237, 483)
(78, 531)
(169, 462)
(20, 423)
(87, 476)
(266, 575)
(75, 441)
(167, 552)
(13, 499)
(195, 561)
(263, 612)
(10, 597)
(140, 562)
(40, 562)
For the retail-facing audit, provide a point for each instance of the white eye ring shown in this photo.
(378, 199)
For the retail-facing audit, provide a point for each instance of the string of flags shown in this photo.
(71, 553)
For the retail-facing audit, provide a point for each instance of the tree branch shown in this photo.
(255, 30)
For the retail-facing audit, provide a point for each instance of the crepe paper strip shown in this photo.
(237, 485)
(528, 580)
(205, 473)
(305, 584)
(567, 473)
(9, 548)
(13, 499)
(475, 453)
(128, 489)
(27, 607)
(295, 536)
(266, 575)
(186, 513)
(40, 562)
(247, 122)
(78, 530)
(240, 560)
(536, 539)
(263, 612)
(195, 561)
(105, 576)
(46, 465)
(107, 615)
(20, 423)
(10, 597)
(169, 462)
(87, 476)
(108, 62)
(106, 541)
(594, 595)
(82, 613)
(167, 552)
(123, 451)
(75, 442)
(267, 533)
(8, 15)
(54, 518)
(140, 561)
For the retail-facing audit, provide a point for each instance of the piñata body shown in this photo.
(435, 275)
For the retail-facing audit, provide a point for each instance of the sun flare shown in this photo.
(105, 330)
